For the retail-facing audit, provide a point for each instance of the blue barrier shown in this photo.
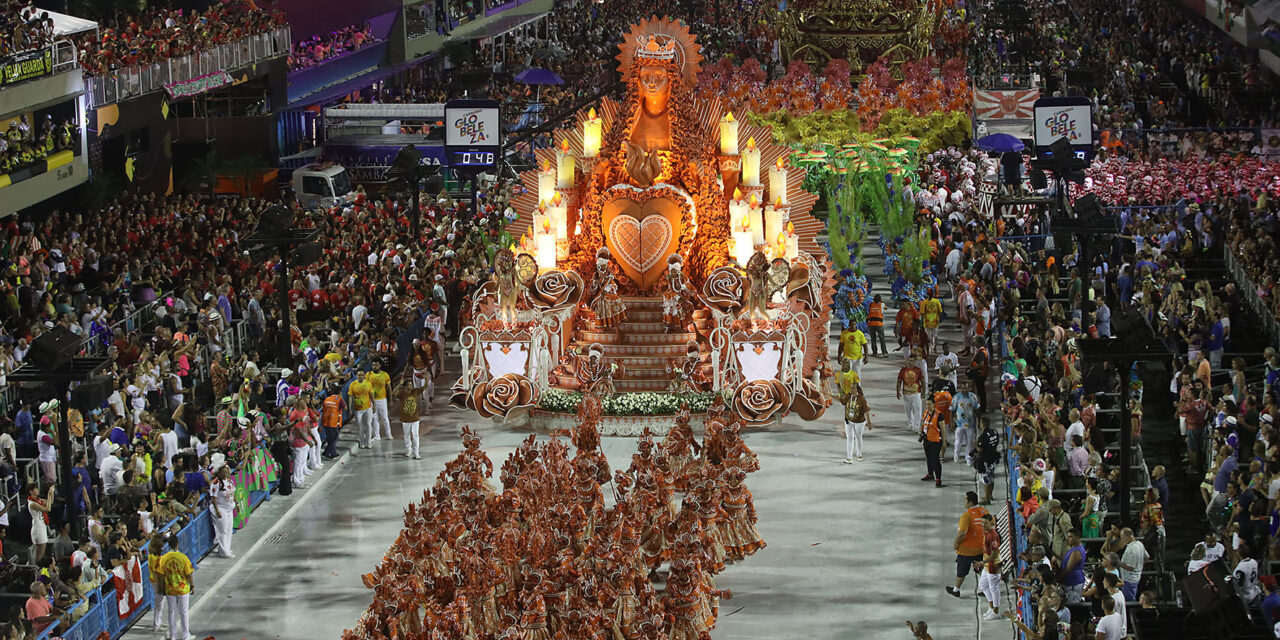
(1025, 613)
(195, 540)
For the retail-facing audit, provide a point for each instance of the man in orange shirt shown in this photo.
(331, 422)
(875, 327)
(970, 540)
(931, 436)
(905, 325)
(910, 386)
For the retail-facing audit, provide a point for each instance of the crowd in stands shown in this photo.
(22, 28)
(1151, 60)
(318, 48)
(160, 34)
(1182, 198)
(194, 391)
(1024, 312)
(22, 146)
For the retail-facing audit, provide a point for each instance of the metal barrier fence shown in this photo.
(130, 82)
(1022, 598)
(1250, 296)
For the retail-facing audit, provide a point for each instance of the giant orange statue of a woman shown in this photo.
(656, 185)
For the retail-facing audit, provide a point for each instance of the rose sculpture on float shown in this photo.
(810, 403)
(724, 290)
(556, 291)
(503, 396)
(760, 401)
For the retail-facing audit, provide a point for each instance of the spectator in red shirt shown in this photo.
(319, 300)
(1194, 412)
(39, 610)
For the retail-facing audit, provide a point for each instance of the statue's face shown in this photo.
(655, 89)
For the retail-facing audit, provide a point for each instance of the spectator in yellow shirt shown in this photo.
(854, 343)
(176, 570)
(361, 395)
(381, 384)
(847, 379)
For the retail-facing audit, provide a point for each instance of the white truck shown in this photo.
(322, 185)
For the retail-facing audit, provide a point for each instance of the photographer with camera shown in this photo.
(931, 437)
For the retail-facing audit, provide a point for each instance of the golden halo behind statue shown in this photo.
(688, 51)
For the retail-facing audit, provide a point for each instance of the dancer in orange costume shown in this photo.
(724, 445)
(679, 448)
(738, 528)
(533, 621)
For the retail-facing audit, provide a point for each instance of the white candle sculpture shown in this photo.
(757, 219)
(546, 245)
(729, 135)
(559, 215)
(774, 216)
(751, 164)
(592, 134)
(778, 181)
(564, 166)
(743, 242)
(546, 182)
(737, 210)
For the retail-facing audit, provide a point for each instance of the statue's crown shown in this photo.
(656, 48)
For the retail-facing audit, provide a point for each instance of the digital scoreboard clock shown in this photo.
(472, 158)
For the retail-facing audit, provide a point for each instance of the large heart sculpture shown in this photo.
(641, 228)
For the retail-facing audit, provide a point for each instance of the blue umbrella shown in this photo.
(539, 76)
(1000, 143)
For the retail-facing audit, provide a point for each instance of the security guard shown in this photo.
(66, 138)
(875, 327)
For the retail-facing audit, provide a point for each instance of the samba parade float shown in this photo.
(860, 31)
(667, 257)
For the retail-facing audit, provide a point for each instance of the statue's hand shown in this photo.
(642, 166)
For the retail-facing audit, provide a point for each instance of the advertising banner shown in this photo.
(1271, 143)
(25, 66)
(198, 85)
(1004, 105)
(1073, 122)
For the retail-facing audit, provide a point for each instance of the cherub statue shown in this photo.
(686, 378)
(512, 274)
(603, 297)
(763, 280)
(677, 296)
(595, 374)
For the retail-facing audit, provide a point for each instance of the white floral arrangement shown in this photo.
(646, 403)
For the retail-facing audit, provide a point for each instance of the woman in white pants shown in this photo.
(857, 417)
(155, 549)
(223, 503)
(301, 442)
(989, 578)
